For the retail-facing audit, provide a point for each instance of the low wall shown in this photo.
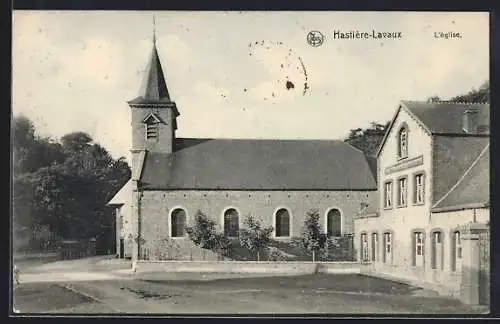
(268, 267)
(392, 274)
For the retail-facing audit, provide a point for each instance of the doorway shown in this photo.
(122, 248)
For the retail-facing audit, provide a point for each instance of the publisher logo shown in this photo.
(315, 38)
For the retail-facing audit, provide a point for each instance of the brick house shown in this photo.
(433, 194)
(278, 181)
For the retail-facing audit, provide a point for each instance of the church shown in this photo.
(276, 181)
(418, 211)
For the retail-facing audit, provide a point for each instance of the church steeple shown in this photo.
(154, 87)
(154, 114)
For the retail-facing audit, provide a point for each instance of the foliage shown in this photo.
(368, 139)
(204, 234)
(311, 240)
(255, 237)
(482, 94)
(64, 185)
(278, 255)
(338, 249)
(167, 249)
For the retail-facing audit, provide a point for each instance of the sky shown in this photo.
(228, 71)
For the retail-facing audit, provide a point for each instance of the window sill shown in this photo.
(419, 204)
(388, 208)
(177, 237)
(401, 158)
(281, 237)
(401, 206)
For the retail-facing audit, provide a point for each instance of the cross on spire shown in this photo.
(154, 30)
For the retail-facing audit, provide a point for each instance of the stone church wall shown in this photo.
(157, 206)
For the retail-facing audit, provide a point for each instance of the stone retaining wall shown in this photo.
(249, 267)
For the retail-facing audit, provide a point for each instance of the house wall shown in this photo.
(156, 207)
(445, 280)
(402, 221)
(124, 229)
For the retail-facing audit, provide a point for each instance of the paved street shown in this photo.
(89, 287)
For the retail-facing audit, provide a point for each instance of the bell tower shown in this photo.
(153, 112)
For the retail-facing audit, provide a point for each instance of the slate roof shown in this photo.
(452, 156)
(153, 88)
(447, 117)
(239, 164)
(472, 188)
(123, 195)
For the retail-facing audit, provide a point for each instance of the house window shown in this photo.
(334, 223)
(151, 131)
(388, 194)
(403, 142)
(364, 248)
(418, 246)
(419, 189)
(231, 223)
(374, 246)
(177, 222)
(388, 247)
(402, 191)
(437, 250)
(282, 218)
(456, 252)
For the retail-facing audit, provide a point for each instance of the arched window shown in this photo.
(282, 218)
(177, 222)
(231, 223)
(334, 223)
(403, 142)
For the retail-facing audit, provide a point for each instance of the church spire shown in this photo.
(154, 87)
(154, 31)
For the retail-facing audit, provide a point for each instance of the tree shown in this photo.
(368, 139)
(255, 237)
(204, 234)
(64, 185)
(312, 240)
(482, 94)
(75, 141)
(434, 99)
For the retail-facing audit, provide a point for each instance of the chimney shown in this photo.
(470, 120)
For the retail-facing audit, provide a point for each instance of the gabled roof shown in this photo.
(122, 196)
(237, 164)
(447, 117)
(156, 118)
(153, 88)
(441, 118)
(472, 189)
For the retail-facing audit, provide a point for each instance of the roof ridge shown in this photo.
(449, 102)
(463, 175)
(266, 139)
